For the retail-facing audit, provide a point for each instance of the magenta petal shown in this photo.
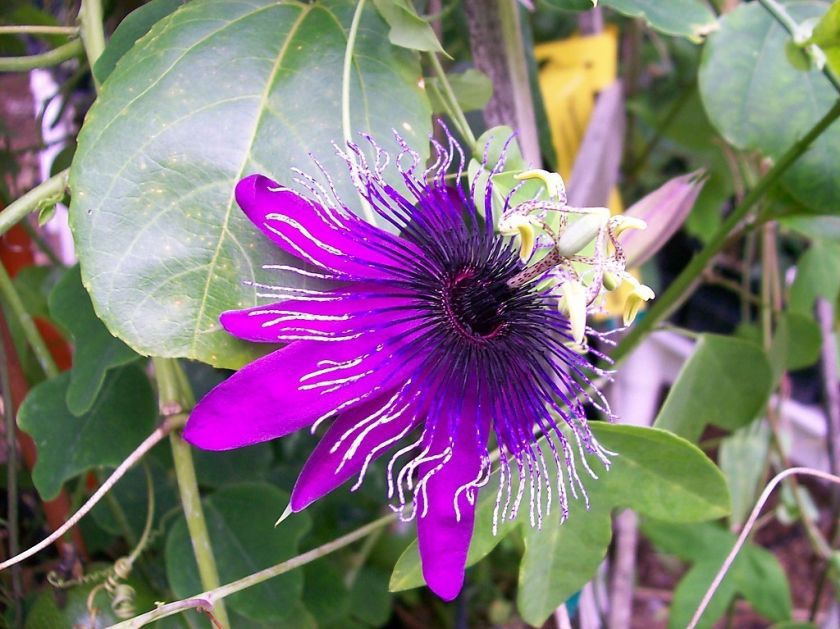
(443, 538)
(338, 242)
(391, 418)
(289, 389)
(295, 319)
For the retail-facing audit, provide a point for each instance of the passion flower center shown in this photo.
(476, 306)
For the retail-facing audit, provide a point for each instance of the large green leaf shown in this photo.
(215, 91)
(131, 28)
(726, 382)
(685, 18)
(240, 522)
(122, 416)
(758, 100)
(654, 472)
(95, 349)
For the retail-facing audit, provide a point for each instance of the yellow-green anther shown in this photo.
(574, 298)
(610, 280)
(581, 233)
(519, 225)
(640, 294)
(553, 182)
(622, 223)
(527, 240)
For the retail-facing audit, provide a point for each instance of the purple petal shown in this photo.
(331, 240)
(343, 452)
(443, 537)
(295, 319)
(292, 388)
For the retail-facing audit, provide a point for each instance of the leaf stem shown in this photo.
(453, 108)
(53, 57)
(27, 324)
(681, 287)
(37, 29)
(93, 32)
(29, 202)
(784, 18)
(176, 397)
(208, 599)
(346, 123)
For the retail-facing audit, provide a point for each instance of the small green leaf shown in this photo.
(120, 418)
(684, 18)
(408, 29)
(796, 344)
(826, 35)
(742, 457)
(240, 522)
(130, 29)
(726, 382)
(816, 276)
(472, 88)
(96, 351)
(758, 101)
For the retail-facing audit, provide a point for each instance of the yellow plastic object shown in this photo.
(572, 72)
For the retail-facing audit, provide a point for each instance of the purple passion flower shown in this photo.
(424, 346)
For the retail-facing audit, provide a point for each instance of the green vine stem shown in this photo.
(27, 324)
(449, 99)
(59, 54)
(682, 286)
(176, 397)
(346, 73)
(37, 29)
(92, 31)
(211, 599)
(32, 200)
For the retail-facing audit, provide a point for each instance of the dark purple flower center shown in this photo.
(476, 306)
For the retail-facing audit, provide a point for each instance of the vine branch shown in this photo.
(32, 200)
(59, 54)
